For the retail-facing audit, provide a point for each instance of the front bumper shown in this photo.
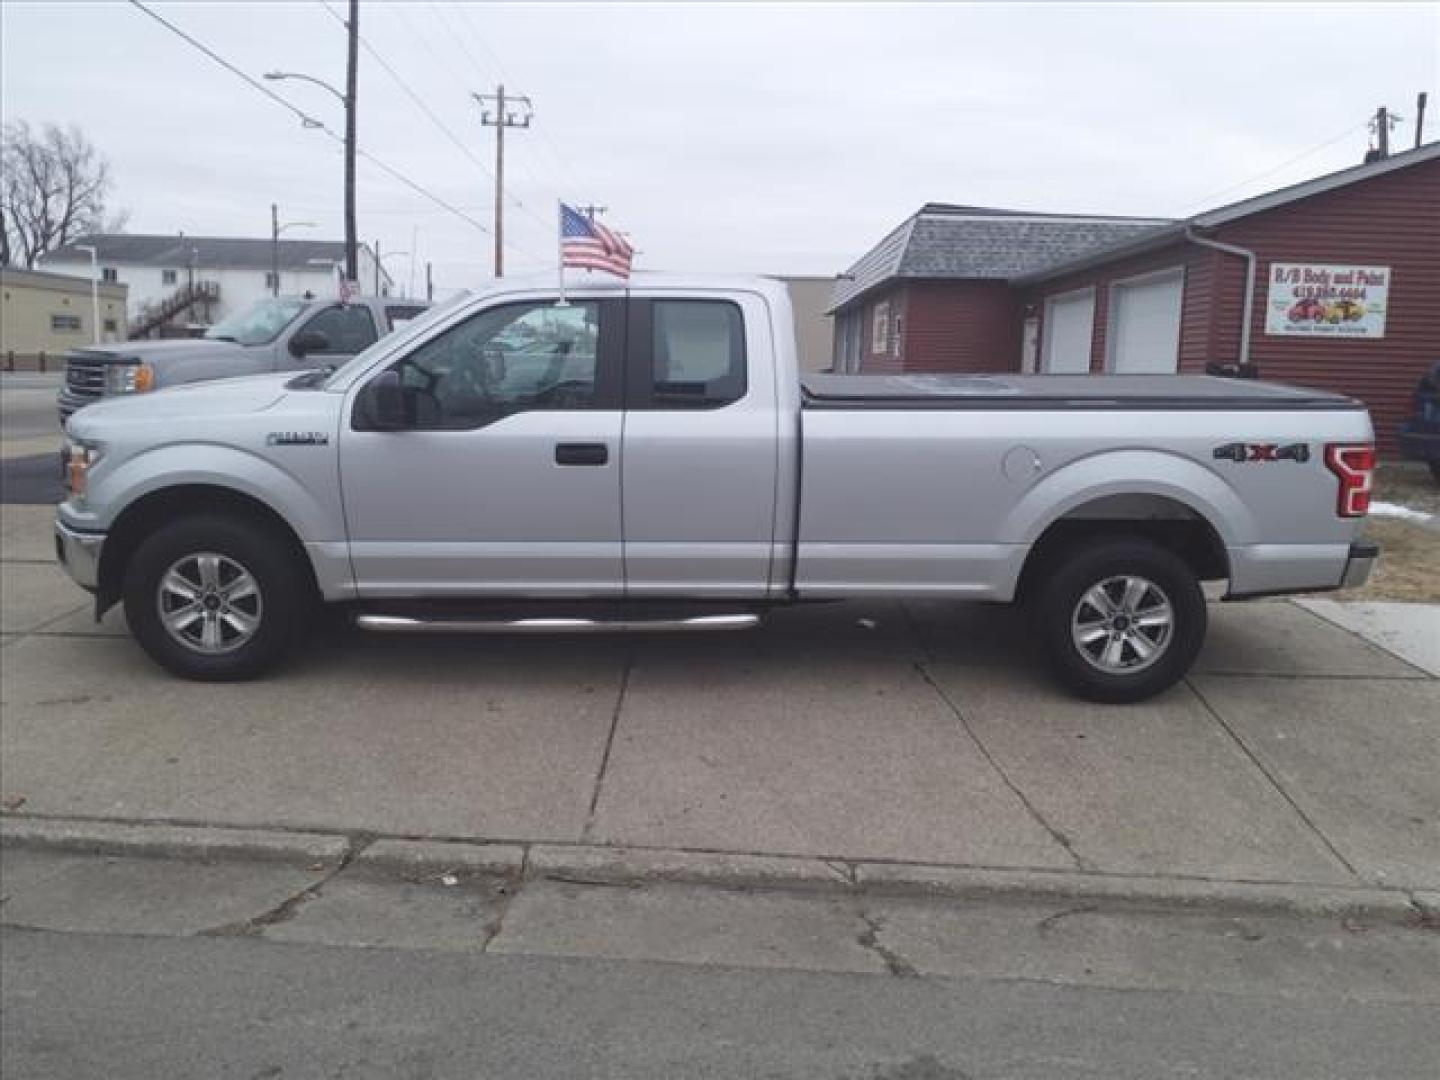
(79, 554)
(1358, 566)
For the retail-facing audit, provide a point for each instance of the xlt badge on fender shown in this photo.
(296, 438)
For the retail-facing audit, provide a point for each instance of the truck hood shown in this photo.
(223, 397)
(177, 350)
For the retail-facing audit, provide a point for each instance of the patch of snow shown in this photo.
(1398, 510)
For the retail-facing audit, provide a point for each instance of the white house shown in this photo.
(203, 279)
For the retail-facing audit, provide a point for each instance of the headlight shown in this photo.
(81, 458)
(129, 378)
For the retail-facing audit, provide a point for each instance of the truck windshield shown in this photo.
(258, 324)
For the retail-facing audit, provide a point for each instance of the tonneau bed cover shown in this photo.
(1060, 392)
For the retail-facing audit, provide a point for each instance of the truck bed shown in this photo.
(1153, 392)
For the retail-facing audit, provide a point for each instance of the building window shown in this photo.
(109, 273)
(111, 326)
(167, 277)
(64, 323)
(880, 327)
(272, 280)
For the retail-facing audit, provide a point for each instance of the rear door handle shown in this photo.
(581, 453)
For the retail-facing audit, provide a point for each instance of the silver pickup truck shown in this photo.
(649, 458)
(280, 334)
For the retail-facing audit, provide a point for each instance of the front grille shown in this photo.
(85, 375)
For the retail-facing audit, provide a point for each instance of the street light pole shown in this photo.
(94, 289)
(275, 230)
(347, 99)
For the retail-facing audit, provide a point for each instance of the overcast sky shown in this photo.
(772, 138)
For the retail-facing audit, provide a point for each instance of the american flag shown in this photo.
(587, 244)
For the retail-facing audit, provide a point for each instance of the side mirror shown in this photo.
(309, 341)
(388, 402)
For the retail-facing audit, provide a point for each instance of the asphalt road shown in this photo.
(29, 465)
(119, 1007)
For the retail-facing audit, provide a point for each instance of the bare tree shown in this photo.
(53, 185)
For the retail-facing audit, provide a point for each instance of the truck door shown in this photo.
(346, 328)
(699, 478)
(505, 479)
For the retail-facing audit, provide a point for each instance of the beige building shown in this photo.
(814, 329)
(44, 313)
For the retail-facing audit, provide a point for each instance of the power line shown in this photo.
(468, 28)
(434, 119)
(1204, 200)
(307, 120)
(400, 82)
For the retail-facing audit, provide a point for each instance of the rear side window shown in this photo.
(697, 354)
(350, 329)
(400, 314)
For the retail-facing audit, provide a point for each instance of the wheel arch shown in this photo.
(164, 505)
(1151, 494)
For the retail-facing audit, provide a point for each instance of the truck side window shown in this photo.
(400, 314)
(509, 359)
(698, 354)
(351, 328)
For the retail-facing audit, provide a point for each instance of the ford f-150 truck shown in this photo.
(280, 334)
(648, 457)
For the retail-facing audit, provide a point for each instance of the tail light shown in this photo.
(1354, 466)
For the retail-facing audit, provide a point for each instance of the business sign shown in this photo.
(1315, 300)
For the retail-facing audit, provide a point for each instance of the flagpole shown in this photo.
(560, 251)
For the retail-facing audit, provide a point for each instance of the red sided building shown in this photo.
(1332, 283)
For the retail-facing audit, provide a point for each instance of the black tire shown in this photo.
(282, 588)
(1059, 617)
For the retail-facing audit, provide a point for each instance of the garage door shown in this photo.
(1069, 326)
(1145, 324)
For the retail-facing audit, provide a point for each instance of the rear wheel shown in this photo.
(214, 598)
(1121, 619)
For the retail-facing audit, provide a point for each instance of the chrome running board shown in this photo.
(405, 624)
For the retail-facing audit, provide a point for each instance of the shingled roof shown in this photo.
(174, 251)
(978, 243)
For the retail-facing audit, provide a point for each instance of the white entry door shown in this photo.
(1067, 333)
(1145, 324)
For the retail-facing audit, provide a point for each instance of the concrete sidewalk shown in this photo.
(922, 737)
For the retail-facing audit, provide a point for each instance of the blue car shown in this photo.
(1420, 437)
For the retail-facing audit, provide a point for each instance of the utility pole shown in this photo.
(352, 258)
(503, 117)
(429, 285)
(1420, 116)
(377, 268)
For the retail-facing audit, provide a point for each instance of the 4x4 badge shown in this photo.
(1245, 452)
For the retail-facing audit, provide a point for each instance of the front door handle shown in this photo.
(581, 453)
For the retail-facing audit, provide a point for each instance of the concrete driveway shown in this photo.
(1298, 752)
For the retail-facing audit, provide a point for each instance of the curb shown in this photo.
(197, 843)
(620, 866)
(600, 865)
(434, 857)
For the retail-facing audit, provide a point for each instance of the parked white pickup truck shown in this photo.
(647, 457)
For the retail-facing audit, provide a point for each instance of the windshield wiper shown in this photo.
(222, 337)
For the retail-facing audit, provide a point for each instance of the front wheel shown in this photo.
(1121, 619)
(214, 598)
